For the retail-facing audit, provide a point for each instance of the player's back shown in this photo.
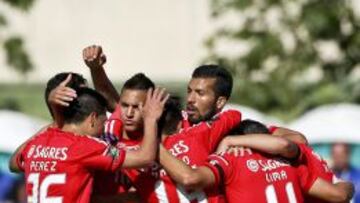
(58, 166)
(255, 177)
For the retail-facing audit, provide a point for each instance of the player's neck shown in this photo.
(73, 128)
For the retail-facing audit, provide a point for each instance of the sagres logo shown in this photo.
(252, 165)
(31, 151)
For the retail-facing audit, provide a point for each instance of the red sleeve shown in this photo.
(116, 113)
(306, 177)
(222, 168)
(307, 174)
(113, 126)
(101, 156)
(221, 125)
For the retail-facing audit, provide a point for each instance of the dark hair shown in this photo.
(171, 116)
(224, 80)
(138, 81)
(76, 81)
(249, 126)
(86, 102)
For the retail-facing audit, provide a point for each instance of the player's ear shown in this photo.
(93, 117)
(220, 102)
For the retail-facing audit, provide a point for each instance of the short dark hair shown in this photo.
(76, 81)
(138, 81)
(224, 80)
(171, 116)
(86, 102)
(249, 126)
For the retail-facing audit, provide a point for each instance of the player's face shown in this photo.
(130, 101)
(201, 99)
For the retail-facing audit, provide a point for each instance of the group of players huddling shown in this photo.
(150, 150)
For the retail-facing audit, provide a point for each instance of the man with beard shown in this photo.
(208, 91)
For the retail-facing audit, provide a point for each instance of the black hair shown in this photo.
(249, 126)
(171, 116)
(86, 102)
(76, 81)
(138, 81)
(224, 80)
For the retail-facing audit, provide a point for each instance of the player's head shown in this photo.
(133, 94)
(249, 126)
(340, 153)
(171, 117)
(208, 91)
(76, 81)
(87, 112)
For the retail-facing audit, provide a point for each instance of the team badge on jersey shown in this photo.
(252, 165)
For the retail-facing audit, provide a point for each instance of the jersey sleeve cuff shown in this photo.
(215, 171)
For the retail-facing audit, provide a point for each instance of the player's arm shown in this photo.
(183, 174)
(338, 192)
(151, 113)
(95, 59)
(16, 158)
(264, 143)
(292, 135)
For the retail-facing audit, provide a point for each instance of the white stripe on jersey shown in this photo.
(161, 192)
(112, 123)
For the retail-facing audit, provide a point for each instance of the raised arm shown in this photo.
(190, 178)
(262, 142)
(339, 192)
(151, 111)
(95, 59)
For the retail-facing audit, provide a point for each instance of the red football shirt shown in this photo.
(254, 177)
(59, 165)
(316, 164)
(319, 167)
(192, 145)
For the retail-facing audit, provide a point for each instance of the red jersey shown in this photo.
(319, 167)
(192, 145)
(316, 164)
(105, 183)
(255, 177)
(59, 166)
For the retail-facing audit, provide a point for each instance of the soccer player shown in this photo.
(59, 90)
(59, 163)
(256, 177)
(210, 89)
(191, 145)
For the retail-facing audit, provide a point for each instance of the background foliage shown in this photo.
(300, 54)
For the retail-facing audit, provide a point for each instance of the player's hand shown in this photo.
(155, 102)
(62, 95)
(94, 57)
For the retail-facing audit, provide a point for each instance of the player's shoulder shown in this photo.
(86, 139)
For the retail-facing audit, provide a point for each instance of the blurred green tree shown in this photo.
(287, 56)
(16, 55)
